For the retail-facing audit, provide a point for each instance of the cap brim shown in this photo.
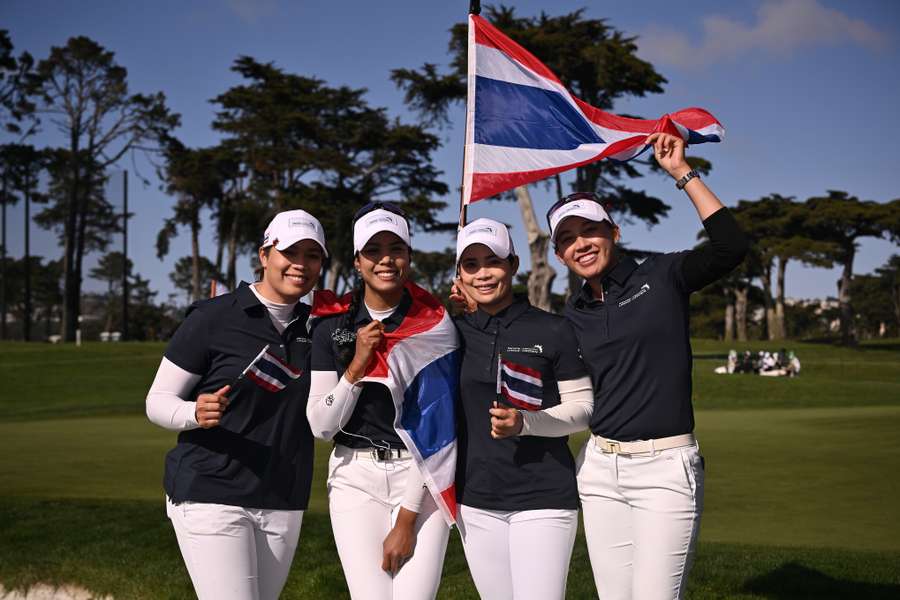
(281, 245)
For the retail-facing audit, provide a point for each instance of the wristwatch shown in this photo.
(687, 177)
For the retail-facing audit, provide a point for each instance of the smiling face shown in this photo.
(487, 278)
(383, 263)
(588, 248)
(290, 274)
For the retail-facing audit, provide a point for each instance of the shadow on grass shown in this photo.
(795, 581)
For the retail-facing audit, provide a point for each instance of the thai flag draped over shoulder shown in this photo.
(523, 125)
(419, 363)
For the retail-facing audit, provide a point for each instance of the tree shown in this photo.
(890, 276)
(435, 270)
(182, 276)
(16, 75)
(599, 64)
(22, 165)
(302, 144)
(110, 269)
(776, 226)
(842, 219)
(86, 94)
(198, 178)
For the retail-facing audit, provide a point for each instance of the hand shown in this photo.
(368, 338)
(460, 298)
(505, 422)
(209, 407)
(669, 152)
(398, 545)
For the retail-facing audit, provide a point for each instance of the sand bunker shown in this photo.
(43, 591)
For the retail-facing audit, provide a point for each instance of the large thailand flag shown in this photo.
(523, 125)
(419, 363)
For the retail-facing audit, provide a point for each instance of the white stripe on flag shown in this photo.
(522, 397)
(274, 361)
(524, 377)
(497, 159)
(266, 377)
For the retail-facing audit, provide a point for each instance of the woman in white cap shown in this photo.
(523, 389)
(640, 476)
(238, 480)
(390, 535)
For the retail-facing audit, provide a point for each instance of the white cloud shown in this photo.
(251, 11)
(781, 27)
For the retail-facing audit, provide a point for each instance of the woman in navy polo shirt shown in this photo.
(389, 533)
(640, 476)
(516, 489)
(238, 480)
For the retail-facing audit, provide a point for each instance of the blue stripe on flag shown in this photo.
(697, 138)
(428, 405)
(273, 371)
(521, 116)
(523, 387)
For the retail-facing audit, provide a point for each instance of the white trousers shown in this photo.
(235, 553)
(364, 497)
(641, 520)
(518, 555)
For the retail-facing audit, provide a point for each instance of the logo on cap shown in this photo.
(487, 229)
(301, 222)
(380, 219)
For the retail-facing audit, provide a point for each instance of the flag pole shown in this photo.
(474, 9)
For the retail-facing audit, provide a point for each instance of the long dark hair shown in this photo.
(344, 336)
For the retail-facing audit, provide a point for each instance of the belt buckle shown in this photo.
(611, 447)
(382, 454)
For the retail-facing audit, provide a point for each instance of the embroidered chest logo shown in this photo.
(536, 349)
(644, 289)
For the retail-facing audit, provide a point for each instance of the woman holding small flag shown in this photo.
(234, 382)
(384, 378)
(523, 389)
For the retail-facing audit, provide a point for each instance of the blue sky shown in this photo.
(806, 89)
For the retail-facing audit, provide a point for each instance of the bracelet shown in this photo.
(687, 177)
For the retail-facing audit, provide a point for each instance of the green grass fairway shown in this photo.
(802, 481)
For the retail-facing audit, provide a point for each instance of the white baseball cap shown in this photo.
(489, 232)
(377, 221)
(584, 207)
(291, 226)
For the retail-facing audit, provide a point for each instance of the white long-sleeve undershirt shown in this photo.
(572, 414)
(331, 404)
(166, 404)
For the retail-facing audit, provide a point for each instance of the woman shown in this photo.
(238, 480)
(640, 477)
(516, 489)
(389, 533)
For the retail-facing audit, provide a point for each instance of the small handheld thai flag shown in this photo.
(518, 385)
(270, 372)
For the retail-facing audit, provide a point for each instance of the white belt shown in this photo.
(377, 454)
(643, 446)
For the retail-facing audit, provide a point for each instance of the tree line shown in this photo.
(292, 141)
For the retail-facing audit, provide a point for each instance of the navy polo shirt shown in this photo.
(636, 341)
(373, 416)
(517, 473)
(261, 453)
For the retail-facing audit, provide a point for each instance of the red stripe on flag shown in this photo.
(515, 401)
(488, 35)
(485, 185)
(522, 369)
(291, 368)
(449, 496)
(262, 382)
